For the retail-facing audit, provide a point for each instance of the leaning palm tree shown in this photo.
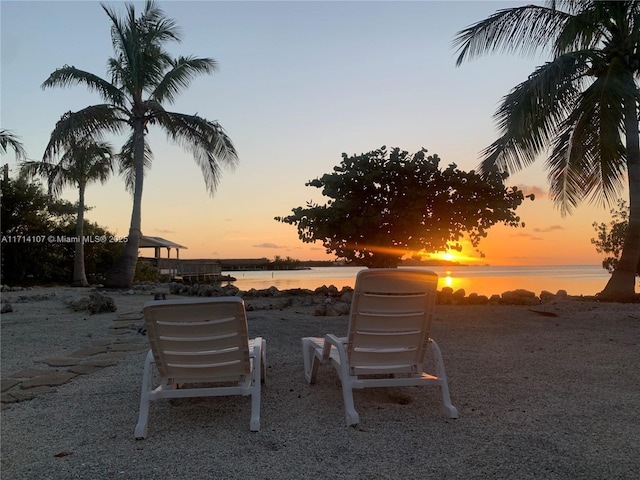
(143, 77)
(582, 105)
(82, 161)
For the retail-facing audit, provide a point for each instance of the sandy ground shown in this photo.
(553, 396)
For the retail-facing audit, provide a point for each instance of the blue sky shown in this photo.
(298, 84)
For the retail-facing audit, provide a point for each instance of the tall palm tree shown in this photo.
(84, 161)
(582, 104)
(143, 77)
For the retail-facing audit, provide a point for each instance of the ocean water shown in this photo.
(483, 280)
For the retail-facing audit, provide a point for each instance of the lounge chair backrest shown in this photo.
(390, 320)
(199, 339)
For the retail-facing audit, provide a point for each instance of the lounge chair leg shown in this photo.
(310, 360)
(444, 385)
(349, 408)
(258, 365)
(263, 364)
(143, 416)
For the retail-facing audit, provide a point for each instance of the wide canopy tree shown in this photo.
(82, 161)
(143, 78)
(582, 106)
(384, 205)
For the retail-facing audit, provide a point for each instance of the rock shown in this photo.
(100, 303)
(519, 297)
(546, 296)
(475, 299)
(6, 307)
(337, 309)
(494, 299)
(347, 297)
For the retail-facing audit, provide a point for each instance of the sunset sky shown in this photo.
(299, 83)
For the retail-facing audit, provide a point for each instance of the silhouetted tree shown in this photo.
(383, 205)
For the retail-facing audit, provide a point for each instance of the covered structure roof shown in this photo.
(157, 243)
(152, 242)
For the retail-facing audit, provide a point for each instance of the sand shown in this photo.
(551, 396)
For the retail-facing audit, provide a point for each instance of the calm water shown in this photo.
(575, 279)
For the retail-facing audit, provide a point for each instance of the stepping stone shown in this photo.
(112, 356)
(34, 391)
(51, 379)
(24, 395)
(117, 331)
(88, 352)
(126, 325)
(60, 362)
(101, 363)
(127, 347)
(29, 373)
(7, 398)
(130, 316)
(83, 369)
(8, 384)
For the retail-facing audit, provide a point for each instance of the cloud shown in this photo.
(527, 236)
(552, 228)
(537, 191)
(164, 230)
(268, 245)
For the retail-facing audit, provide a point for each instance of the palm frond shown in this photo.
(9, 139)
(140, 60)
(127, 164)
(92, 122)
(67, 76)
(525, 29)
(584, 28)
(207, 141)
(529, 115)
(588, 159)
(183, 71)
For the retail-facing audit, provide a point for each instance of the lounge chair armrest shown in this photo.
(331, 340)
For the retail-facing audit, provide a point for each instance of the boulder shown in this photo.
(100, 303)
(519, 297)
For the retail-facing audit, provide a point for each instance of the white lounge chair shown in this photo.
(388, 337)
(200, 348)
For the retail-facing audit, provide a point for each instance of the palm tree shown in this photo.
(84, 161)
(582, 105)
(143, 76)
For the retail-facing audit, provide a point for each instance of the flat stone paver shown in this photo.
(60, 362)
(25, 395)
(118, 331)
(88, 352)
(130, 316)
(50, 379)
(128, 347)
(84, 369)
(104, 362)
(8, 384)
(29, 373)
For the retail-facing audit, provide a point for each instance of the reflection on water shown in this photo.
(575, 279)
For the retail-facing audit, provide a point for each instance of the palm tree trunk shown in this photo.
(621, 285)
(79, 275)
(121, 275)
